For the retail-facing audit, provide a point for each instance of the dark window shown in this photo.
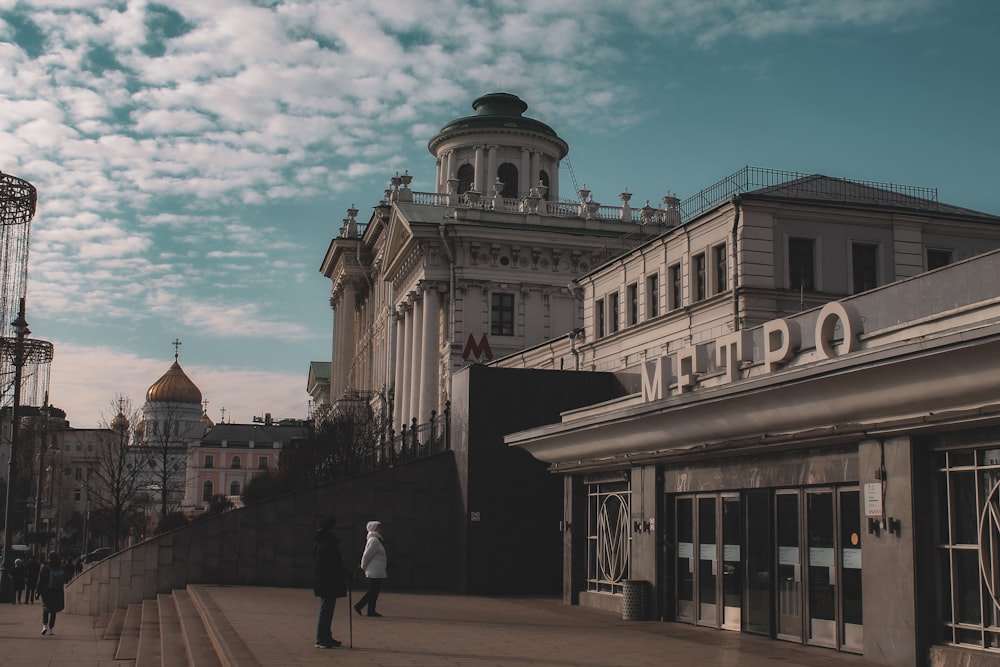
(698, 267)
(209, 461)
(719, 258)
(653, 295)
(802, 264)
(234, 489)
(502, 314)
(613, 312)
(262, 462)
(632, 294)
(236, 462)
(676, 287)
(543, 178)
(466, 178)
(206, 491)
(938, 258)
(507, 173)
(599, 315)
(864, 262)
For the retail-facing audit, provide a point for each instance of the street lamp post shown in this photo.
(20, 327)
(44, 411)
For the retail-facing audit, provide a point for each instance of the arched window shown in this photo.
(206, 492)
(543, 178)
(234, 489)
(507, 173)
(237, 462)
(466, 178)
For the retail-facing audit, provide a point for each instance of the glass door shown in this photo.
(759, 562)
(851, 628)
(732, 563)
(685, 559)
(708, 562)
(789, 575)
(822, 568)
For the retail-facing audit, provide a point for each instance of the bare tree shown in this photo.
(166, 457)
(118, 466)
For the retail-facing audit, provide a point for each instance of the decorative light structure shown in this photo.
(24, 363)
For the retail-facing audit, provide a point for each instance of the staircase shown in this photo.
(180, 629)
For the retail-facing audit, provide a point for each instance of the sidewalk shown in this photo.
(278, 627)
(76, 643)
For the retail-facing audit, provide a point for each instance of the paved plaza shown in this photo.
(277, 626)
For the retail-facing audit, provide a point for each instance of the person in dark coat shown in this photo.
(51, 580)
(31, 580)
(329, 581)
(18, 576)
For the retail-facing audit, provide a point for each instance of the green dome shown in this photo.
(501, 111)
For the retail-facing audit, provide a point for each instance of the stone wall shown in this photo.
(269, 544)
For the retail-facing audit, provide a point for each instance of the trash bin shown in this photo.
(635, 600)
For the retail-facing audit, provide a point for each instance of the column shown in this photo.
(350, 343)
(430, 355)
(491, 170)
(335, 348)
(526, 178)
(554, 182)
(405, 360)
(480, 170)
(395, 365)
(415, 354)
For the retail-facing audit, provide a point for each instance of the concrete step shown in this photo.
(173, 653)
(199, 649)
(113, 630)
(128, 640)
(148, 651)
(232, 651)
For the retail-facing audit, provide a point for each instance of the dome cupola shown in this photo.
(174, 387)
(498, 147)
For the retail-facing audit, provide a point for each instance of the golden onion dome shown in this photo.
(119, 423)
(206, 420)
(174, 387)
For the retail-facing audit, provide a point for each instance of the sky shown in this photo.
(193, 159)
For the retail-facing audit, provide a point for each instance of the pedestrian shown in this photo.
(51, 579)
(31, 579)
(329, 580)
(18, 575)
(374, 562)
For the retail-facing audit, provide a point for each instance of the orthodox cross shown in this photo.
(177, 348)
(223, 415)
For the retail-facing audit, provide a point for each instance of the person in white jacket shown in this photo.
(374, 562)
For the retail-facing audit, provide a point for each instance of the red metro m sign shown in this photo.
(477, 350)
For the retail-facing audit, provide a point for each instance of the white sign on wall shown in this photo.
(873, 499)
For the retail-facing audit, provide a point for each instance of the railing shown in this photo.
(414, 441)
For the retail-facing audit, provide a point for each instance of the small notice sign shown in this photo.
(873, 499)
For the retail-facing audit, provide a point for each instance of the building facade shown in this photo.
(802, 442)
(477, 269)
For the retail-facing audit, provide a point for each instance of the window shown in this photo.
(502, 314)
(632, 295)
(262, 462)
(936, 258)
(77, 495)
(466, 178)
(206, 492)
(237, 462)
(209, 460)
(613, 312)
(802, 264)
(507, 173)
(652, 295)
(599, 317)
(676, 287)
(719, 262)
(543, 178)
(78, 474)
(864, 265)
(234, 489)
(698, 268)
(608, 536)
(967, 496)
